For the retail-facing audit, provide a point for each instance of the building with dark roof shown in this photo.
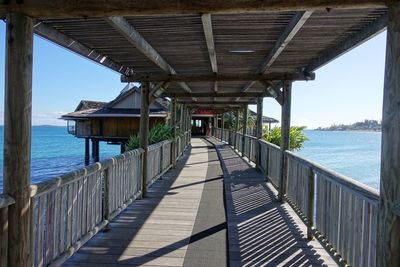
(113, 122)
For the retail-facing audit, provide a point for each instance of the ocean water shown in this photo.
(55, 152)
(355, 154)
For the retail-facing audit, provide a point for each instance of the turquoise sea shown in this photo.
(355, 154)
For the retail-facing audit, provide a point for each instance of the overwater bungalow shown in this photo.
(113, 122)
(231, 199)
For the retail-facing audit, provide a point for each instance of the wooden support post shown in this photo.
(310, 203)
(285, 131)
(223, 121)
(93, 148)
(259, 130)
(388, 241)
(97, 150)
(87, 145)
(144, 132)
(17, 136)
(236, 126)
(173, 123)
(123, 148)
(245, 116)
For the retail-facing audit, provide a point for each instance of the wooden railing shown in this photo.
(339, 211)
(5, 202)
(68, 210)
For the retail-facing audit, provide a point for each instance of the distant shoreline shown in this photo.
(353, 130)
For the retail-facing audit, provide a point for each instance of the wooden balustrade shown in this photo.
(339, 211)
(68, 210)
(5, 202)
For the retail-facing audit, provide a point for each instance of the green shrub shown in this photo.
(159, 132)
(297, 137)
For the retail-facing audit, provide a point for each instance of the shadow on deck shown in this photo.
(157, 230)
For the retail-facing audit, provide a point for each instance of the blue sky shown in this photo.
(346, 90)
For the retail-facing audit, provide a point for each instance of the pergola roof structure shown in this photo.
(216, 60)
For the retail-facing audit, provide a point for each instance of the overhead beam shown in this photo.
(371, 30)
(284, 39)
(219, 103)
(92, 8)
(208, 33)
(137, 40)
(216, 95)
(71, 44)
(274, 91)
(217, 77)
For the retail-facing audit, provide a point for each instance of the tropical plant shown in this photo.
(230, 121)
(297, 137)
(159, 132)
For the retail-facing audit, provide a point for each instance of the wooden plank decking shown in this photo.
(261, 230)
(156, 231)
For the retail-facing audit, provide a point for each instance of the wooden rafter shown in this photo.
(368, 32)
(137, 40)
(57, 37)
(284, 39)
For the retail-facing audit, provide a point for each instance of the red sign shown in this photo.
(204, 112)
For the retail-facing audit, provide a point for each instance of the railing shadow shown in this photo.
(114, 246)
(262, 231)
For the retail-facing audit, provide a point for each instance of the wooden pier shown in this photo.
(220, 55)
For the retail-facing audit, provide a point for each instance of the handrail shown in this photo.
(71, 208)
(354, 186)
(338, 210)
(6, 200)
(70, 177)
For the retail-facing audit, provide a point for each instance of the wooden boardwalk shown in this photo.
(156, 231)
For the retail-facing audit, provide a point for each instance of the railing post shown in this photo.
(17, 135)
(245, 115)
(285, 131)
(161, 158)
(310, 203)
(3, 236)
(259, 131)
(144, 132)
(236, 128)
(106, 198)
(173, 123)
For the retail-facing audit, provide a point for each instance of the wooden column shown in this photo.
(223, 121)
(144, 132)
(236, 126)
(285, 131)
(17, 135)
(388, 245)
(244, 130)
(173, 124)
(93, 148)
(87, 147)
(96, 144)
(259, 129)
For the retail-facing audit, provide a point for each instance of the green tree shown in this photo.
(297, 137)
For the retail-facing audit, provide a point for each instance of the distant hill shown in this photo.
(366, 125)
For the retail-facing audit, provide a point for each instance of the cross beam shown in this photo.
(216, 95)
(217, 77)
(94, 8)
